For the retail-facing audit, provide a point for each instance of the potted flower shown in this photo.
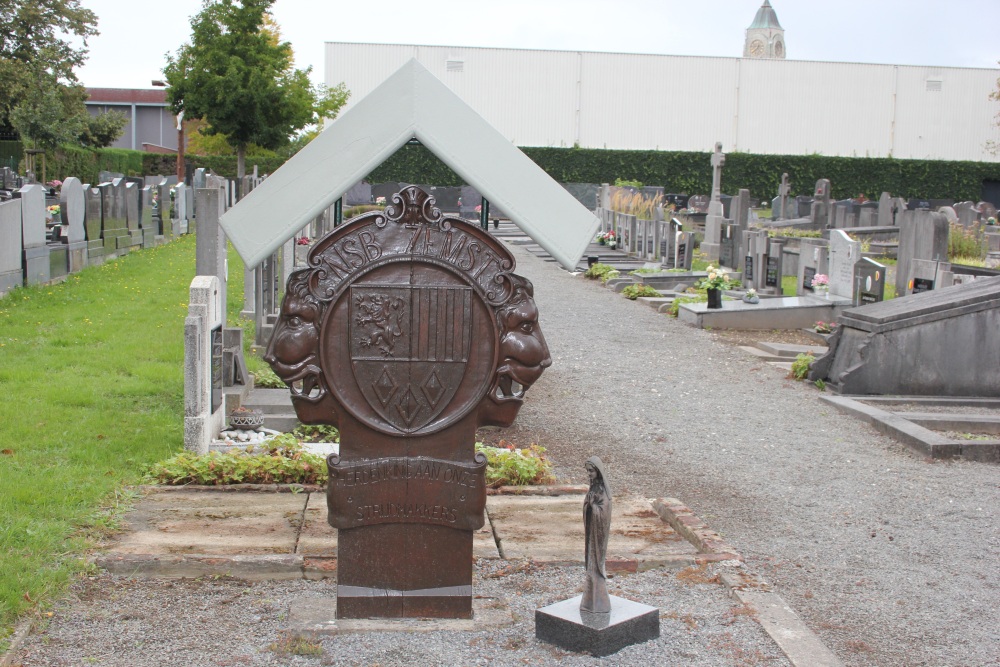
(751, 296)
(821, 283)
(53, 214)
(716, 281)
(245, 419)
(380, 201)
(824, 327)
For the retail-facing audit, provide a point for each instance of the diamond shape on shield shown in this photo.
(409, 348)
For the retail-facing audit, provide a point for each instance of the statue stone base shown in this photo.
(564, 625)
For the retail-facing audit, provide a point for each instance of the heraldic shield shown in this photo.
(409, 348)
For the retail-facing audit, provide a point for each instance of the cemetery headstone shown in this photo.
(813, 260)
(713, 222)
(820, 211)
(729, 246)
(149, 226)
(869, 282)
(699, 203)
(394, 335)
(360, 193)
(210, 244)
(182, 208)
(784, 190)
(93, 224)
(967, 213)
(74, 210)
(203, 413)
(922, 235)
(926, 275)
(132, 221)
(164, 209)
(844, 254)
(35, 257)
(11, 260)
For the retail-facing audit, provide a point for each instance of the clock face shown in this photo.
(779, 49)
(756, 48)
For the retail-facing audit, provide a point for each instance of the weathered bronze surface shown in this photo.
(408, 331)
(597, 530)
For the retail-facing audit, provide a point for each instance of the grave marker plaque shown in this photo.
(408, 331)
(216, 368)
(807, 277)
(869, 281)
(772, 278)
(748, 269)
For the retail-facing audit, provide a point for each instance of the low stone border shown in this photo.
(922, 440)
(800, 645)
(711, 545)
(21, 631)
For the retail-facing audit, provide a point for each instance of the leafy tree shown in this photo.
(48, 113)
(103, 129)
(41, 43)
(238, 75)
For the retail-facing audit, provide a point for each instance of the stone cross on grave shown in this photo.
(407, 331)
(783, 190)
(718, 161)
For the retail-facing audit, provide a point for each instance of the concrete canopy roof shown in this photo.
(412, 103)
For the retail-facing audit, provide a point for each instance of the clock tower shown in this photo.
(765, 36)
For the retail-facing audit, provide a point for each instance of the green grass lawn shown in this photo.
(91, 374)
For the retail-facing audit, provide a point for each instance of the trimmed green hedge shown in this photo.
(691, 172)
(688, 172)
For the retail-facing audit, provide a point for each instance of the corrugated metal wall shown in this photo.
(631, 101)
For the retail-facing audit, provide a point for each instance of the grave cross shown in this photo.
(718, 161)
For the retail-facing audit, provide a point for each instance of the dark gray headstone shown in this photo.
(869, 281)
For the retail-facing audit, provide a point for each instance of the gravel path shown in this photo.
(116, 622)
(891, 559)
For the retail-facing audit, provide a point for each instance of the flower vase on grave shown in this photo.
(714, 298)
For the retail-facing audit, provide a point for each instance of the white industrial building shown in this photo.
(760, 103)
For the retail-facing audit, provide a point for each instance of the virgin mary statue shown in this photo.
(597, 523)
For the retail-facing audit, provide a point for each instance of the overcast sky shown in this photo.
(134, 38)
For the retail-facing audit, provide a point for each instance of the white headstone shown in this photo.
(844, 253)
(33, 215)
(203, 404)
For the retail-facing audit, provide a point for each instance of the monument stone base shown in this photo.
(711, 251)
(564, 625)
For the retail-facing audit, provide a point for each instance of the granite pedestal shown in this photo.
(629, 623)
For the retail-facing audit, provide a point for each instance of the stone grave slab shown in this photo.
(549, 530)
(209, 523)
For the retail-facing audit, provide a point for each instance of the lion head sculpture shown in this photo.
(293, 352)
(523, 355)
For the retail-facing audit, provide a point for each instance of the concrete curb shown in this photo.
(801, 646)
(21, 631)
(904, 428)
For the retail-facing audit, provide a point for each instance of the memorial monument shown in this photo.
(407, 331)
(596, 622)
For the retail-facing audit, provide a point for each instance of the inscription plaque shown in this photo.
(748, 269)
(420, 490)
(771, 278)
(408, 330)
(922, 285)
(808, 273)
(216, 368)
